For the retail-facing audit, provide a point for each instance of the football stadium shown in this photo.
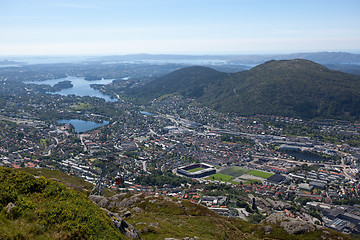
(196, 170)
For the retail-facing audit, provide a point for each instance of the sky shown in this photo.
(111, 27)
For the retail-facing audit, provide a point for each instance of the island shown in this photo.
(61, 85)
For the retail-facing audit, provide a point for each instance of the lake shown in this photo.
(81, 87)
(146, 113)
(82, 126)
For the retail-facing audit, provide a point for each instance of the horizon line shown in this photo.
(262, 53)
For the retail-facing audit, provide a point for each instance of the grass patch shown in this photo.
(233, 182)
(220, 177)
(82, 106)
(76, 183)
(57, 175)
(261, 174)
(235, 171)
(237, 139)
(167, 95)
(45, 142)
(195, 169)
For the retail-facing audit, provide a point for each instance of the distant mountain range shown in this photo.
(299, 88)
(342, 61)
(319, 57)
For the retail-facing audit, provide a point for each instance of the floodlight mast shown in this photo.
(99, 186)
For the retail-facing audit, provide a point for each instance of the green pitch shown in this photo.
(261, 174)
(195, 169)
(235, 171)
(220, 177)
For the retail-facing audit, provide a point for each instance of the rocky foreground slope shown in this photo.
(37, 207)
(161, 217)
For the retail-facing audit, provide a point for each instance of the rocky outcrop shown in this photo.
(297, 227)
(127, 229)
(99, 200)
(290, 225)
(116, 201)
(151, 215)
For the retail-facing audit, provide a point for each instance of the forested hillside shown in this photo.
(298, 88)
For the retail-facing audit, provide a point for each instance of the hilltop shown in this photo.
(299, 88)
(188, 81)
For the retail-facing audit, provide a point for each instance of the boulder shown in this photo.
(126, 214)
(9, 206)
(155, 225)
(268, 229)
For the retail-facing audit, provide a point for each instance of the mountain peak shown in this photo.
(297, 63)
(298, 88)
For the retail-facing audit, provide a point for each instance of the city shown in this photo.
(258, 160)
(180, 120)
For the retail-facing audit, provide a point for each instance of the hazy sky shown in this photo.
(87, 27)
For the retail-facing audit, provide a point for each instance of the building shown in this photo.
(204, 170)
(317, 185)
(276, 179)
(306, 187)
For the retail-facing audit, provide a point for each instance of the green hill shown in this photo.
(298, 88)
(295, 87)
(189, 81)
